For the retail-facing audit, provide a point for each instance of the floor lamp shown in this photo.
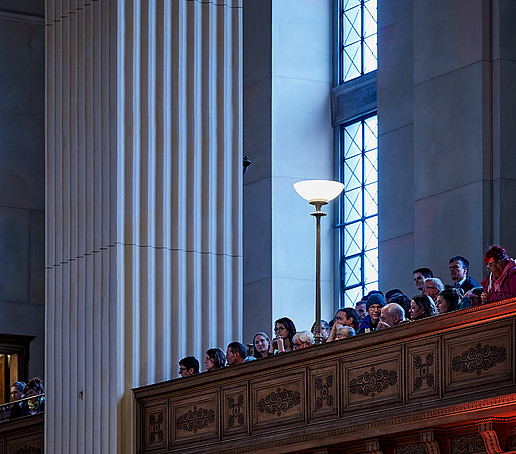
(318, 193)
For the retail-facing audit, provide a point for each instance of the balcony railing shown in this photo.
(434, 385)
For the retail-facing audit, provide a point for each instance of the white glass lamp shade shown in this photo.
(318, 190)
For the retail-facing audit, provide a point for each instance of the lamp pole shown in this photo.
(318, 214)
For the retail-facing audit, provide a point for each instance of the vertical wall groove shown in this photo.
(144, 256)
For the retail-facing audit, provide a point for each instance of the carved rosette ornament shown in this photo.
(236, 411)
(468, 444)
(196, 419)
(156, 428)
(279, 402)
(375, 381)
(479, 358)
(322, 391)
(424, 371)
(411, 449)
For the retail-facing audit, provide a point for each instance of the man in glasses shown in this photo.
(188, 366)
(433, 286)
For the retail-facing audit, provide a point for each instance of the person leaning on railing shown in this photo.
(35, 389)
(17, 394)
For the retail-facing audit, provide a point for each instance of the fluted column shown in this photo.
(144, 255)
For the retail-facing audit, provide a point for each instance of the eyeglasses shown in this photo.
(298, 344)
(489, 265)
(281, 328)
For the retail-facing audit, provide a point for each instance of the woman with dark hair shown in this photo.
(215, 359)
(422, 306)
(261, 343)
(284, 329)
(449, 300)
(37, 405)
(17, 394)
(500, 283)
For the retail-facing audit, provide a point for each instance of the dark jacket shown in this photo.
(367, 323)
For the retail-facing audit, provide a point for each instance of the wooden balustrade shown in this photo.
(445, 384)
(22, 435)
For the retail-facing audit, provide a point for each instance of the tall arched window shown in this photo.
(356, 130)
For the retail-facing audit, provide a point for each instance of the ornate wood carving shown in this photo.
(375, 381)
(418, 448)
(467, 444)
(279, 401)
(322, 386)
(29, 450)
(155, 423)
(235, 411)
(479, 358)
(195, 419)
(425, 371)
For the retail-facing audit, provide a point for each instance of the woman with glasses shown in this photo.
(500, 283)
(284, 330)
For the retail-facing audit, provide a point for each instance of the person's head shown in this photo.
(215, 359)
(34, 387)
(433, 286)
(495, 260)
(403, 301)
(188, 366)
(393, 293)
(473, 296)
(348, 317)
(360, 307)
(343, 332)
(303, 339)
(236, 353)
(325, 329)
(448, 300)
(459, 267)
(17, 390)
(422, 306)
(391, 315)
(261, 344)
(375, 302)
(285, 328)
(420, 274)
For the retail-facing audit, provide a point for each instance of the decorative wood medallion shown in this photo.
(425, 371)
(422, 365)
(411, 449)
(467, 444)
(479, 358)
(372, 380)
(154, 419)
(281, 398)
(322, 389)
(193, 418)
(279, 402)
(234, 407)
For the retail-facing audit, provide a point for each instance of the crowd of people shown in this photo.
(25, 399)
(376, 311)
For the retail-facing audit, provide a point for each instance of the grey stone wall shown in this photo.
(22, 175)
(446, 90)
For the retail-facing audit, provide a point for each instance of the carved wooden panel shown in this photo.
(512, 438)
(372, 381)
(280, 399)
(467, 444)
(193, 419)
(322, 391)
(478, 358)
(423, 374)
(417, 448)
(155, 424)
(234, 411)
(28, 443)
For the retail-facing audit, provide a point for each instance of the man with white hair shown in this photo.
(433, 286)
(303, 339)
(392, 314)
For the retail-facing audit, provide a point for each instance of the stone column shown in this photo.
(144, 205)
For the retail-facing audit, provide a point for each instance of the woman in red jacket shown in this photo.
(500, 284)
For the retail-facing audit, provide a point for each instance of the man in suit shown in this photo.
(459, 268)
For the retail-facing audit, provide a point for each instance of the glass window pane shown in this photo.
(352, 271)
(353, 140)
(353, 239)
(352, 173)
(352, 295)
(370, 199)
(352, 205)
(371, 234)
(371, 166)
